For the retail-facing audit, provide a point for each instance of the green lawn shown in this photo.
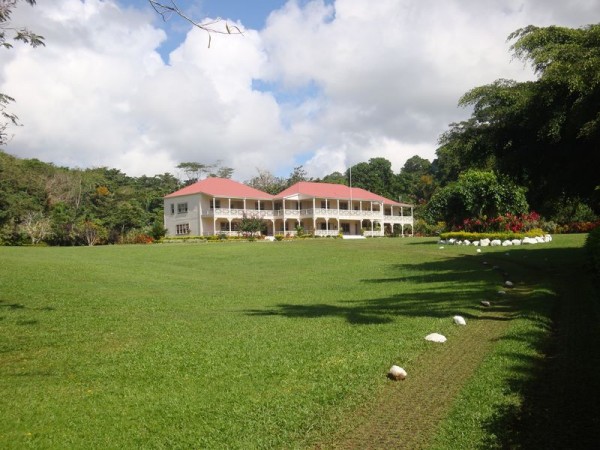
(237, 345)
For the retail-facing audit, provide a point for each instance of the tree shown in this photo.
(251, 225)
(18, 34)
(415, 181)
(335, 178)
(267, 182)
(544, 134)
(36, 226)
(167, 9)
(222, 172)
(196, 171)
(297, 175)
(375, 176)
(476, 194)
(92, 231)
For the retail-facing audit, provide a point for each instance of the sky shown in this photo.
(322, 84)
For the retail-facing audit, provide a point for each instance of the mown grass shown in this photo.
(224, 345)
(539, 386)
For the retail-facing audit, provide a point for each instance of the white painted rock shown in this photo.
(436, 337)
(516, 241)
(467, 242)
(451, 241)
(442, 242)
(501, 292)
(496, 243)
(485, 303)
(397, 373)
(484, 242)
(478, 250)
(506, 243)
(548, 238)
(508, 284)
(540, 239)
(459, 320)
(442, 248)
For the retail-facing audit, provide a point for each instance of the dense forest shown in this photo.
(528, 146)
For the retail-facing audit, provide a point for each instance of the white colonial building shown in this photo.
(217, 205)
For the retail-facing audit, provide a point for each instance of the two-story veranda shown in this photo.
(217, 205)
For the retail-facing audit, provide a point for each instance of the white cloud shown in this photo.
(384, 79)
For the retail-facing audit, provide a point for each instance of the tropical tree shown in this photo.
(544, 134)
(7, 31)
(335, 178)
(415, 182)
(375, 176)
(476, 194)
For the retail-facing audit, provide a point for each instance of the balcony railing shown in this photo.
(307, 213)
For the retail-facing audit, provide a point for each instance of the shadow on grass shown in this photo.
(458, 290)
(560, 386)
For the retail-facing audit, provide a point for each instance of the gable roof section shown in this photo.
(221, 187)
(337, 191)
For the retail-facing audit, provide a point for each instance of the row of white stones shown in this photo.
(498, 242)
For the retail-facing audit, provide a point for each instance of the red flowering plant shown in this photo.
(508, 222)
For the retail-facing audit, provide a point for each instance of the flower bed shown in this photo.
(507, 223)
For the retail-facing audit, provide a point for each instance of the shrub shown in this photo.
(182, 239)
(592, 244)
(462, 235)
(136, 237)
(279, 237)
(158, 231)
(578, 227)
(502, 223)
(422, 228)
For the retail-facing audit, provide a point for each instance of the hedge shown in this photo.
(463, 235)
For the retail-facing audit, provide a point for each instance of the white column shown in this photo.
(314, 214)
(214, 215)
(381, 230)
(200, 216)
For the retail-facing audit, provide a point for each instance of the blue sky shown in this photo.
(326, 84)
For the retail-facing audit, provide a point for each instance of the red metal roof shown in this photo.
(337, 191)
(221, 187)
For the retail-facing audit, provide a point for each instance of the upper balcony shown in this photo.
(341, 214)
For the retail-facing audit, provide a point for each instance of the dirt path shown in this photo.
(405, 412)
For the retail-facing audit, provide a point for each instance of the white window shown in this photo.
(172, 208)
(182, 208)
(182, 228)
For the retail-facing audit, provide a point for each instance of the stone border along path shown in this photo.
(405, 412)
